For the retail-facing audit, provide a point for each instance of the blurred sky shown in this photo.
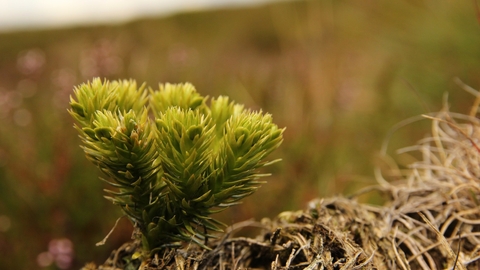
(35, 14)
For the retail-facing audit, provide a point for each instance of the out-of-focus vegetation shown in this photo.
(337, 74)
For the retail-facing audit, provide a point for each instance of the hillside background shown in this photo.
(337, 74)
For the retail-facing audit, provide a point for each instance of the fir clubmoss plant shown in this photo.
(172, 160)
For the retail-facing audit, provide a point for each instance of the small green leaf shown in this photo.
(136, 255)
(185, 204)
(189, 228)
(137, 182)
(77, 108)
(202, 197)
(161, 125)
(90, 132)
(194, 131)
(128, 175)
(196, 102)
(151, 226)
(103, 132)
(240, 134)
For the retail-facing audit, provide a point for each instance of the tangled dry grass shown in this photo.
(431, 218)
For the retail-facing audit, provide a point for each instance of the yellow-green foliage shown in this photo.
(172, 171)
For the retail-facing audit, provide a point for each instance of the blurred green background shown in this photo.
(337, 74)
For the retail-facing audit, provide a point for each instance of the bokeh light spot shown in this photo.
(45, 259)
(62, 252)
(30, 61)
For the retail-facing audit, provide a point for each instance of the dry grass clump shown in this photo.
(433, 214)
(431, 219)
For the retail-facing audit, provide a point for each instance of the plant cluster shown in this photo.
(171, 158)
